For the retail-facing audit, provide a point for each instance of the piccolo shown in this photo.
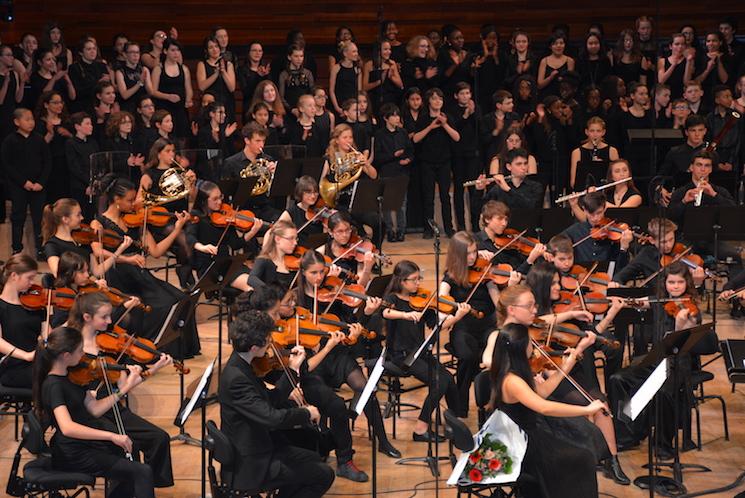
(584, 192)
(484, 181)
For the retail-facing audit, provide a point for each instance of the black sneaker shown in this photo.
(350, 471)
(388, 449)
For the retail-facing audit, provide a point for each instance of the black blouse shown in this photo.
(405, 336)
(21, 328)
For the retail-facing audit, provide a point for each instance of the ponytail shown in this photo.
(18, 263)
(61, 340)
(52, 217)
(280, 228)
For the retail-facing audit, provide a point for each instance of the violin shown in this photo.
(424, 299)
(85, 235)
(594, 302)
(357, 247)
(90, 370)
(522, 244)
(37, 298)
(243, 220)
(270, 362)
(672, 308)
(596, 282)
(292, 262)
(331, 323)
(539, 362)
(303, 332)
(612, 230)
(691, 260)
(157, 216)
(319, 212)
(117, 297)
(565, 334)
(144, 351)
(333, 288)
(498, 273)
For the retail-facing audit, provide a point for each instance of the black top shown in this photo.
(21, 328)
(386, 144)
(57, 145)
(85, 76)
(592, 249)
(56, 247)
(131, 79)
(405, 336)
(265, 272)
(387, 92)
(675, 81)
(8, 105)
(346, 84)
(462, 72)
(207, 233)
(78, 153)
(592, 72)
(628, 72)
(155, 175)
(480, 301)
(316, 140)
(645, 263)
(362, 131)
(26, 159)
(37, 82)
(297, 215)
(677, 206)
(678, 160)
(125, 146)
(528, 195)
(173, 84)
(57, 391)
(553, 87)
(491, 77)
(296, 82)
(412, 79)
(437, 145)
(515, 259)
(221, 92)
(248, 80)
(468, 144)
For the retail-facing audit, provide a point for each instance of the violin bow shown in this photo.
(336, 294)
(662, 268)
(348, 250)
(586, 278)
(294, 385)
(314, 218)
(491, 263)
(115, 407)
(592, 232)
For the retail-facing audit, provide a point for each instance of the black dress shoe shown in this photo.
(428, 436)
(612, 470)
(392, 237)
(388, 449)
(665, 452)
(400, 236)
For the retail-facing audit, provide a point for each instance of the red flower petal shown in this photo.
(475, 475)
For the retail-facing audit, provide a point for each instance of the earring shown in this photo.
(117, 206)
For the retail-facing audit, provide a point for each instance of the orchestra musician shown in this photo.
(340, 248)
(589, 248)
(306, 198)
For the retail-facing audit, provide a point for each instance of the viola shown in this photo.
(90, 370)
(331, 323)
(292, 262)
(522, 244)
(565, 334)
(672, 308)
(424, 299)
(596, 282)
(497, 273)
(243, 220)
(144, 351)
(157, 216)
(37, 298)
(117, 297)
(85, 235)
(594, 302)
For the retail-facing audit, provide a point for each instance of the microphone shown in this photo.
(433, 226)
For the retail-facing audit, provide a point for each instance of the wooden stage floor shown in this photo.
(158, 400)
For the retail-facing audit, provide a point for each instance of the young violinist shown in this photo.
(583, 233)
(129, 274)
(60, 220)
(342, 148)
(270, 267)
(254, 138)
(341, 247)
(83, 441)
(468, 336)
(251, 416)
(560, 465)
(407, 329)
(305, 208)
(334, 362)
(699, 191)
(91, 315)
(19, 327)
(673, 316)
(517, 191)
(592, 151)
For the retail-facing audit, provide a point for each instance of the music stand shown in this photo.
(200, 397)
(527, 219)
(285, 177)
(586, 170)
(238, 190)
(315, 240)
(313, 167)
(378, 285)
(378, 195)
(173, 330)
(656, 140)
(554, 221)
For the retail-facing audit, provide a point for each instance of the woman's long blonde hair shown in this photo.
(280, 228)
(333, 147)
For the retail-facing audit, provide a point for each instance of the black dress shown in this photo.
(557, 466)
(628, 72)
(595, 163)
(160, 295)
(265, 272)
(221, 92)
(299, 219)
(131, 79)
(175, 85)
(675, 81)
(346, 84)
(553, 87)
(205, 232)
(21, 328)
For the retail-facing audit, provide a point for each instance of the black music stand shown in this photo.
(315, 240)
(237, 190)
(658, 141)
(367, 197)
(220, 274)
(527, 219)
(378, 285)
(173, 330)
(672, 346)
(590, 173)
(285, 177)
(313, 167)
(554, 221)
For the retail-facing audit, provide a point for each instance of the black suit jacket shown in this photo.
(249, 415)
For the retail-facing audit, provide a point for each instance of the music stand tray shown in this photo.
(313, 167)
(596, 169)
(285, 177)
(243, 188)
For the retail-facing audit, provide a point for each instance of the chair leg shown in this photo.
(724, 414)
(698, 426)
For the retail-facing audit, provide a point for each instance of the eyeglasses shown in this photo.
(414, 279)
(528, 306)
(147, 106)
(161, 35)
(56, 102)
(289, 238)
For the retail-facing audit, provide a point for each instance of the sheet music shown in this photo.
(646, 392)
(197, 392)
(372, 383)
(426, 342)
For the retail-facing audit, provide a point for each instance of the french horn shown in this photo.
(345, 169)
(260, 169)
(173, 183)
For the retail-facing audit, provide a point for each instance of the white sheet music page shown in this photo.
(645, 393)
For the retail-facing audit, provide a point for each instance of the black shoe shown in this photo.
(392, 237)
(388, 449)
(612, 470)
(428, 235)
(428, 436)
(665, 452)
(350, 471)
(689, 445)
(400, 236)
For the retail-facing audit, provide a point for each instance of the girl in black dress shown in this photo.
(389, 34)
(520, 59)
(343, 35)
(216, 75)
(325, 119)
(381, 76)
(593, 64)
(152, 58)
(130, 275)
(554, 66)
(295, 80)
(48, 77)
(624, 195)
(91, 315)
(339, 248)
(490, 67)
(345, 78)
(132, 78)
(172, 86)
(19, 327)
(269, 267)
(105, 104)
(713, 65)
(593, 151)
(453, 60)
(53, 38)
(675, 70)
(162, 158)
(128, 160)
(252, 72)
(628, 62)
(83, 441)
(51, 118)
(305, 195)
(406, 330)
(209, 241)
(85, 74)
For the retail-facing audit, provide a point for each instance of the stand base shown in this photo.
(663, 486)
(430, 461)
(680, 467)
(185, 437)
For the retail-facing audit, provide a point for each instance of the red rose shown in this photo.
(475, 457)
(475, 475)
(495, 464)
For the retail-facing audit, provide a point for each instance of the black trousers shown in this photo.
(154, 444)
(128, 479)
(438, 173)
(320, 395)
(445, 385)
(469, 339)
(23, 200)
(414, 197)
(302, 474)
(466, 168)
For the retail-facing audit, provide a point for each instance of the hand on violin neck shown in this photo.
(372, 304)
(163, 361)
(586, 342)
(132, 302)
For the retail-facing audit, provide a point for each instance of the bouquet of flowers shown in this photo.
(489, 460)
